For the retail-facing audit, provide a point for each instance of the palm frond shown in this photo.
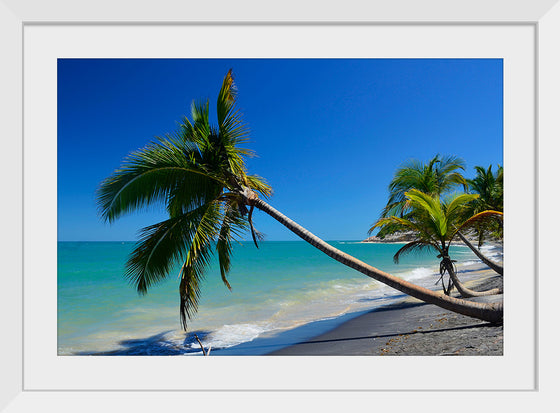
(429, 206)
(455, 206)
(146, 176)
(226, 98)
(229, 117)
(232, 226)
(423, 201)
(482, 218)
(232, 130)
(259, 184)
(453, 180)
(392, 220)
(163, 244)
(420, 245)
(191, 193)
(386, 229)
(200, 116)
(402, 224)
(189, 289)
(199, 129)
(450, 163)
(198, 259)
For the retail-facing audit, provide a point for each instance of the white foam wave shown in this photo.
(232, 334)
(491, 250)
(469, 263)
(418, 274)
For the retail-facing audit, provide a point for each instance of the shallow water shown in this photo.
(278, 287)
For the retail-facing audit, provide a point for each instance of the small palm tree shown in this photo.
(490, 188)
(434, 224)
(199, 175)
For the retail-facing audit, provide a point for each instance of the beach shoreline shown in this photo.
(324, 300)
(410, 328)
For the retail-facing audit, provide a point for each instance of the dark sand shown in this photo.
(410, 328)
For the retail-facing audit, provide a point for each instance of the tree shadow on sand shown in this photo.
(156, 345)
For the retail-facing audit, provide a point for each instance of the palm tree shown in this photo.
(490, 188)
(434, 224)
(199, 174)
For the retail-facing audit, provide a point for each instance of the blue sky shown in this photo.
(329, 133)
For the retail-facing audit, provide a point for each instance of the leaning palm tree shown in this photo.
(434, 224)
(199, 175)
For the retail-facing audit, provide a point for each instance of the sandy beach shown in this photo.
(411, 328)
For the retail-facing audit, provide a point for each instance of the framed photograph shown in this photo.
(66, 73)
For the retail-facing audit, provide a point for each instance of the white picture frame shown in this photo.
(15, 15)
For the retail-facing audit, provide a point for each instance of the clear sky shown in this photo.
(329, 134)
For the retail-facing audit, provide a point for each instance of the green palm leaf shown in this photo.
(232, 226)
(414, 246)
(457, 205)
(429, 206)
(447, 173)
(481, 219)
(161, 245)
(257, 183)
(421, 231)
(197, 261)
(148, 176)
(189, 288)
(229, 118)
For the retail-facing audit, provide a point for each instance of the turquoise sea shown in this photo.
(282, 293)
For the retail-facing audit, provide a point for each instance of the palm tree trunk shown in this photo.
(492, 312)
(493, 265)
(463, 290)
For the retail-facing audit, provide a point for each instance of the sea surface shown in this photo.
(282, 293)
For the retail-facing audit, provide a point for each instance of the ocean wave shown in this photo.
(491, 250)
(469, 263)
(419, 273)
(232, 334)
